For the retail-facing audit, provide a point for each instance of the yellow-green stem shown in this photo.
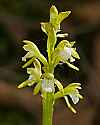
(48, 101)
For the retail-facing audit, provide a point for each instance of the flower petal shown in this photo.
(69, 105)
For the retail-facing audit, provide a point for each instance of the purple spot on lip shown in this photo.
(78, 48)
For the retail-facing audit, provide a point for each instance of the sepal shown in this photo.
(53, 15)
(72, 66)
(58, 84)
(45, 27)
(37, 88)
(28, 63)
(62, 16)
(69, 105)
(23, 84)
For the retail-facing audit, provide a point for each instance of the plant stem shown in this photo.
(48, 101)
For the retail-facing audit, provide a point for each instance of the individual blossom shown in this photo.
(66, 53)
(34, 77)
(72, 91)
(32, 53)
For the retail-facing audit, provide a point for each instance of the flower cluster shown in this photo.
(65, 52)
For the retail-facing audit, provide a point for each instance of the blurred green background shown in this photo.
(19, 20)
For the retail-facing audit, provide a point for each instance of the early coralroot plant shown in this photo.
(42, 77)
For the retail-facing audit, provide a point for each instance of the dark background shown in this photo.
(19, 20)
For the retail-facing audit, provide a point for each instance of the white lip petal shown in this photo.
(47, 85)
(74, 98)
(30, 77)
(66, 53)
